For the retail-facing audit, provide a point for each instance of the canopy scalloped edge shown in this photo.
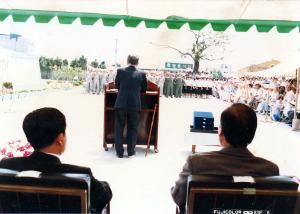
(242, 25)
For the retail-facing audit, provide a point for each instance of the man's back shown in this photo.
(228, 161)
(130, 82)
(237, 129)
(41, 162)
(46, 163)
(231, 161)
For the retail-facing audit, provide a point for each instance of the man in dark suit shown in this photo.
(130, 82)
(45, 131)
(236, 132)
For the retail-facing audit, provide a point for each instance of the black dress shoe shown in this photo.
(120, 156)
(131, 154)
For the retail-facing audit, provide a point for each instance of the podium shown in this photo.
(149, 117)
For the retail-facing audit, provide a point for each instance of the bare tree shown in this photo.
(203, 46)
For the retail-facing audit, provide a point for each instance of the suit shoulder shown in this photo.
(204, 157)
(16, 163)
(269, 165)
(11, 162)
(69, 168)
(120, 70)
(192, 159)
(141, 71)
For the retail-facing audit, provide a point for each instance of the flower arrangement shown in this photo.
(15, 148)
(7, 88)
(7, 85)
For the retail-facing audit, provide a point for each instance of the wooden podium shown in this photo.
(148, 124)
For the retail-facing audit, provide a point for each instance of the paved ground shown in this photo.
(139, 184)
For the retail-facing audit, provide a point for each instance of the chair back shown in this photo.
(242, 195)
(33, 192)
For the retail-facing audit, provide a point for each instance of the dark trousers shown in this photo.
(132, 118)
(291, 116)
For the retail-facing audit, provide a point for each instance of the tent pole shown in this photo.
(127, 8)
(297, 93)
(296, 122)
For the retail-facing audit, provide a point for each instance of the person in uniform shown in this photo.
(103, 79)
(167, 85)
(161, 80)
(175, 86)
(180, 88)
(88, 81)
(96, 83)
(100, 75)
(92, 82)
(170, 86)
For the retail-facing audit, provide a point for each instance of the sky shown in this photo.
(100, 42)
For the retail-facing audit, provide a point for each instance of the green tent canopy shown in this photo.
(241, 25)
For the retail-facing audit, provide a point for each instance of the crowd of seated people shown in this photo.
(259, 93)
(273, 97)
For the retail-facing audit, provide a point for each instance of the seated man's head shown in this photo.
(45, 130)
(238, 126)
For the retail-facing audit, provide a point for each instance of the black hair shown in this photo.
(133, 60)
(43, 125)
(238, 123)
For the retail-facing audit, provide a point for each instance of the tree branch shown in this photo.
(201, 46)
(195, 34)
(179, 51)
(211, 59)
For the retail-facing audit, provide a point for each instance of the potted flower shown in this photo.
(7, 87)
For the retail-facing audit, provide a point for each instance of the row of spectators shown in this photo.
(172, 84)
(274, 97)
(182, 83)
(97, 78)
